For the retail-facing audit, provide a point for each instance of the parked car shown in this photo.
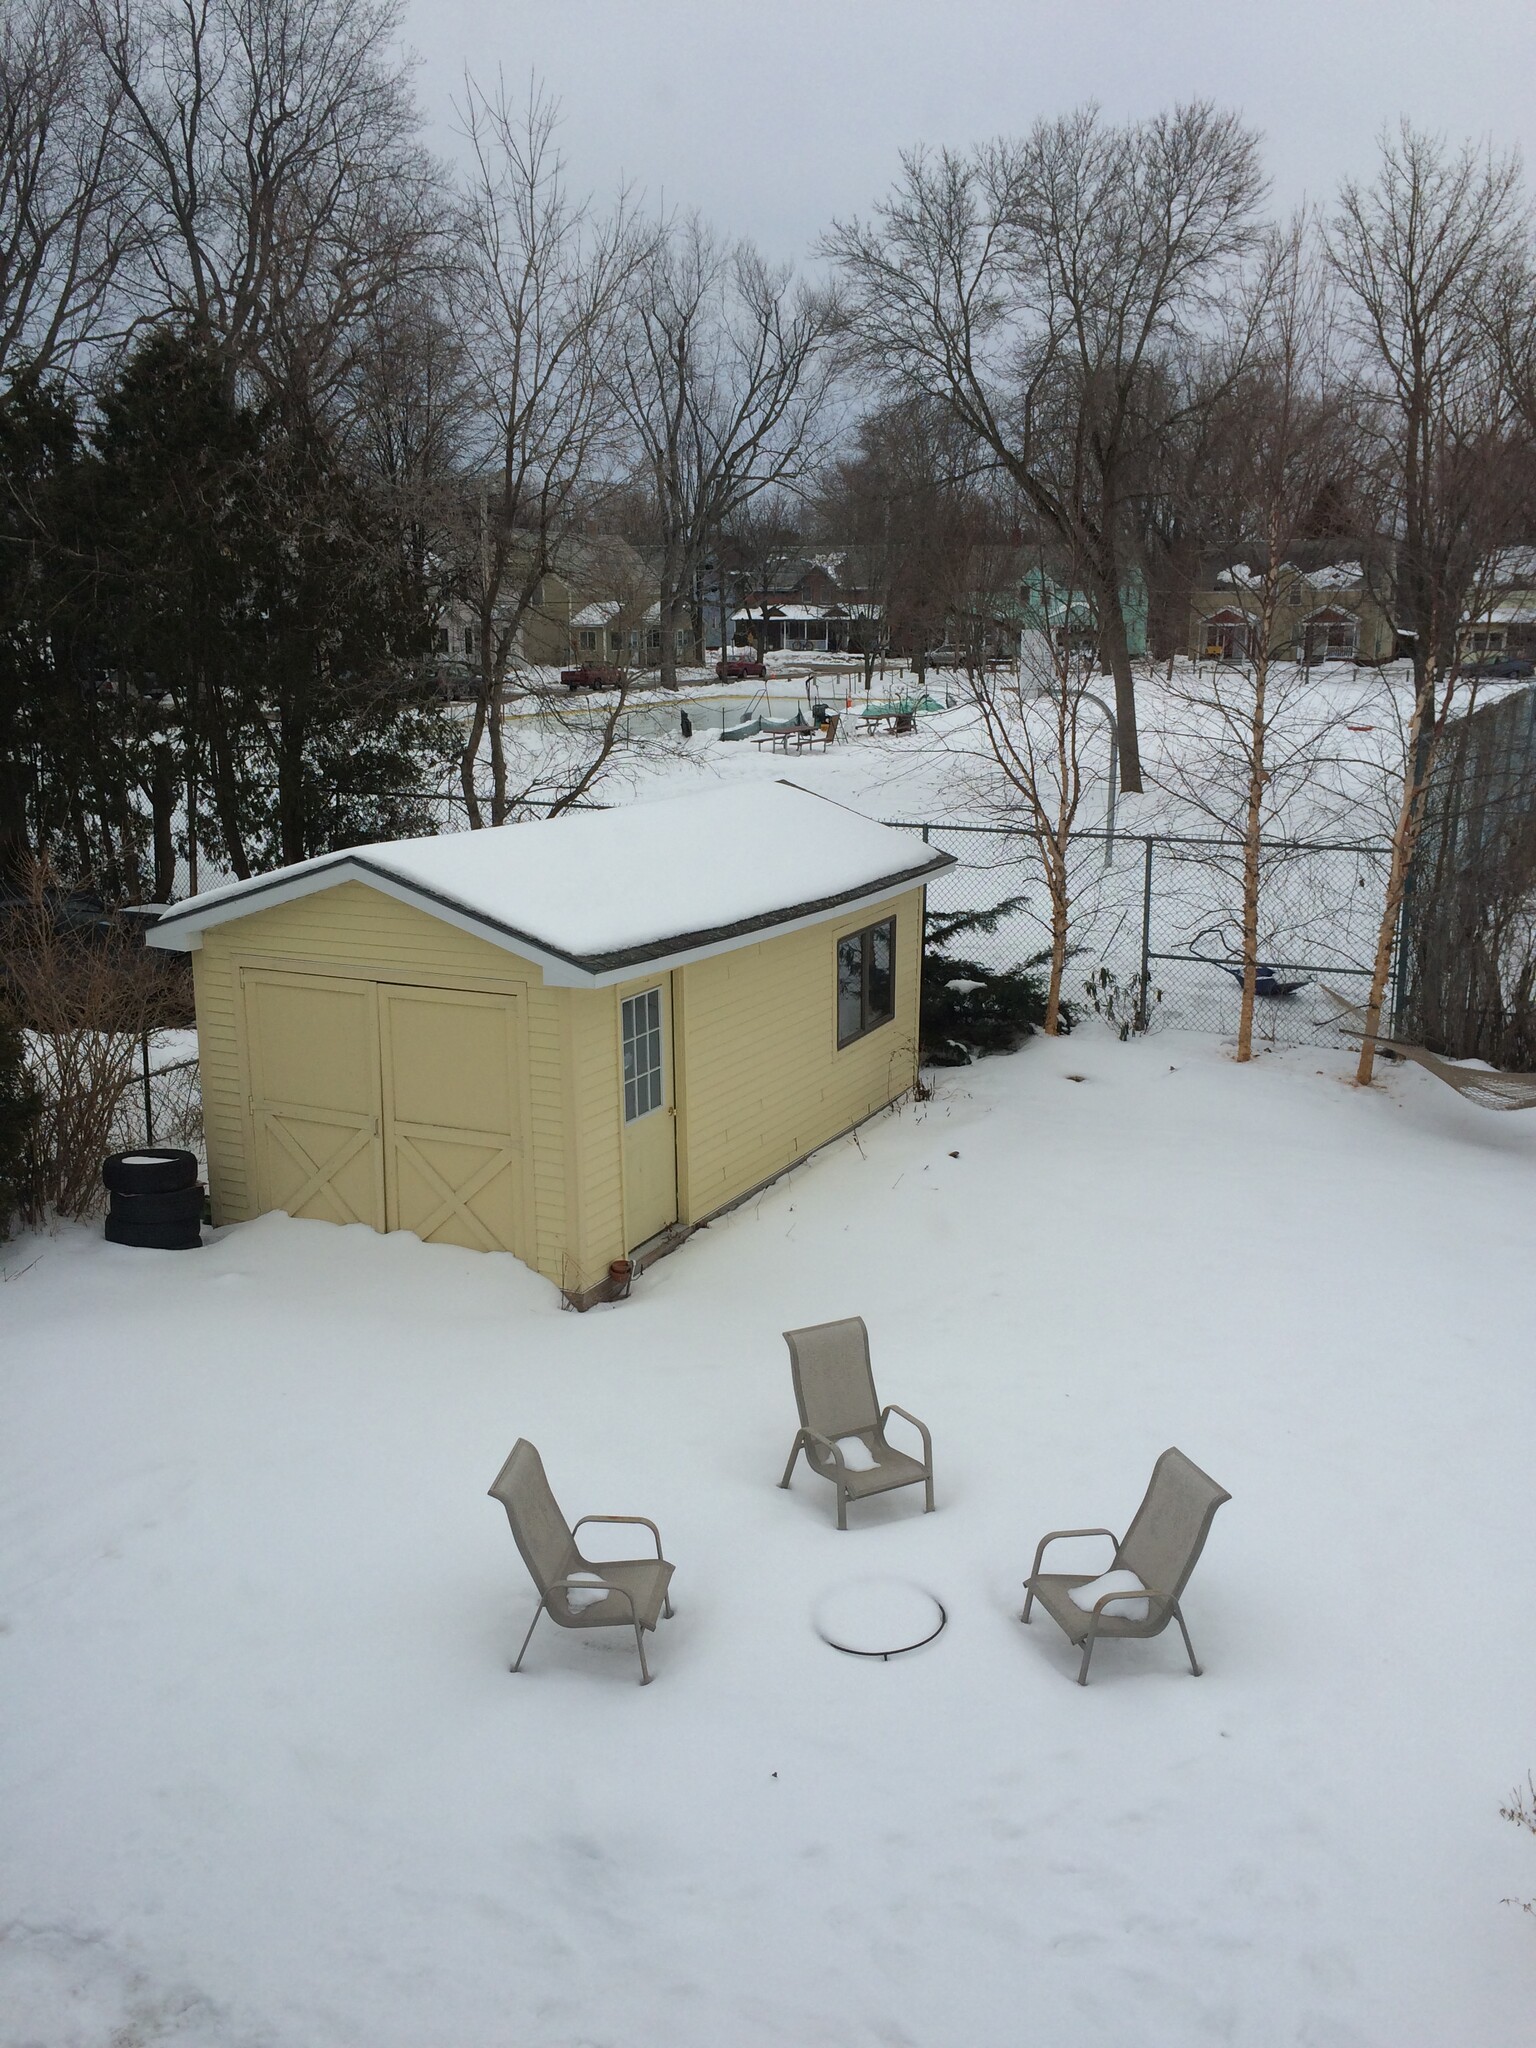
(946, 657)
(737, 666)
(1500, 667)
(592, 675)
(454, 682)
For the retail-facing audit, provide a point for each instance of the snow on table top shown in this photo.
(596, 883)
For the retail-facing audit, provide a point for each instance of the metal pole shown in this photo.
(149, 1107)
(1146, 938)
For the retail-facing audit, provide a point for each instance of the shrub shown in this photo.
(968, 1009)
(86, 992)
(20, 1102)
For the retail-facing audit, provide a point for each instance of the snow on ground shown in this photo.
(267, 1782)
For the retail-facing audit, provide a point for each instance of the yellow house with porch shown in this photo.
(571, 1040)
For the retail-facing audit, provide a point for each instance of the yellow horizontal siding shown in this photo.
(765, 1082)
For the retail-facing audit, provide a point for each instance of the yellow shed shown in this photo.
(570, 1040)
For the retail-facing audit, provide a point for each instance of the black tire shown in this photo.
(151, 1170)
(181, 1205)
(155, 1237)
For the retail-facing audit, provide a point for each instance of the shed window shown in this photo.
(866, 980)
(643, 1089)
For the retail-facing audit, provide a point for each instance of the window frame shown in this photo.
(865, 935)
(655, 1075)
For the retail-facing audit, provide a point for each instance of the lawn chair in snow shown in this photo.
(1139, 1595)
(575, 1591)
(842, 1425)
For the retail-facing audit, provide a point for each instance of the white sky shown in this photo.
(772, 116)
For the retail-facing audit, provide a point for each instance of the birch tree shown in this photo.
(1031, 718)
(1247, 737)
(1420, 253)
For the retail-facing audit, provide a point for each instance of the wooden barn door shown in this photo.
(453, 1147)
(312, 1047)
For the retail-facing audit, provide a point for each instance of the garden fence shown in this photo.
(1155, 923)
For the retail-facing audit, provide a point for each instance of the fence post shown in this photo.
(149, 1107)
(1146, 935)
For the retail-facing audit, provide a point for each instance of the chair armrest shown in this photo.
(814, 1436)
(641, 1521)
(906, 1415)
(1055, 1536)
(1108, 1600)
(593, 1585)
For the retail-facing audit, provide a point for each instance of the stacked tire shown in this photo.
(156, 1199)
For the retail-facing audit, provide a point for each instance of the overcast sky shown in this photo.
(772, 116)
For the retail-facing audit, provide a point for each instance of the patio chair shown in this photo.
(835, 1393)
(575, 1591)
(1161, 1547)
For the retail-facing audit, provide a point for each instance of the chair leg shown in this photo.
(1082, 1676)
(645, 1676)
(1189, 1648)
(789, 1468)
(1029, 1598)
(928, 1495)
(527, 1639)
(842, 1507)
(666, 1605)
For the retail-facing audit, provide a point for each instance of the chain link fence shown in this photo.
(1155, 923)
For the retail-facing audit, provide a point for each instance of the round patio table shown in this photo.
(878, 1617)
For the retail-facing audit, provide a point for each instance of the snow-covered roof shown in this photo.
(594, 895)
(1337, 576)
(606, 611)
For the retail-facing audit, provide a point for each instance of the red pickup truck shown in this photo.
(592, 675)
(736, 666)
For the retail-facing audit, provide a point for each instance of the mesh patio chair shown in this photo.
(627, 1593)
(835, 1393)
(1162, 1547)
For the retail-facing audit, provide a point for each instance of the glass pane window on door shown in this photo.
(644, 1088)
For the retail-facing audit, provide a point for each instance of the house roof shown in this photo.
(595, 896)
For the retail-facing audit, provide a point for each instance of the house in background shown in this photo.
(571, 1040)
(1069, 617)
(1324, 614)
(597, 603)
(808, 604)
(1504, 616)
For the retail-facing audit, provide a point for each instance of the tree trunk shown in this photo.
(1251, 848)
(1404, 837)
(1117, 659)
(162, 810)
(469, 759)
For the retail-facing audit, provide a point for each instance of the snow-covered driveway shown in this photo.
(265, 1779)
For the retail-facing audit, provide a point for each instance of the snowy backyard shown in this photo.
(266, 1778)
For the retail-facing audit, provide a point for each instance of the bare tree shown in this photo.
(1247, 736)
(540, 303)
(64, 217)
(763, 541)
(282, 193)
(1421, 253)
(1042, 289)
(1031, 719)
(726, 376)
